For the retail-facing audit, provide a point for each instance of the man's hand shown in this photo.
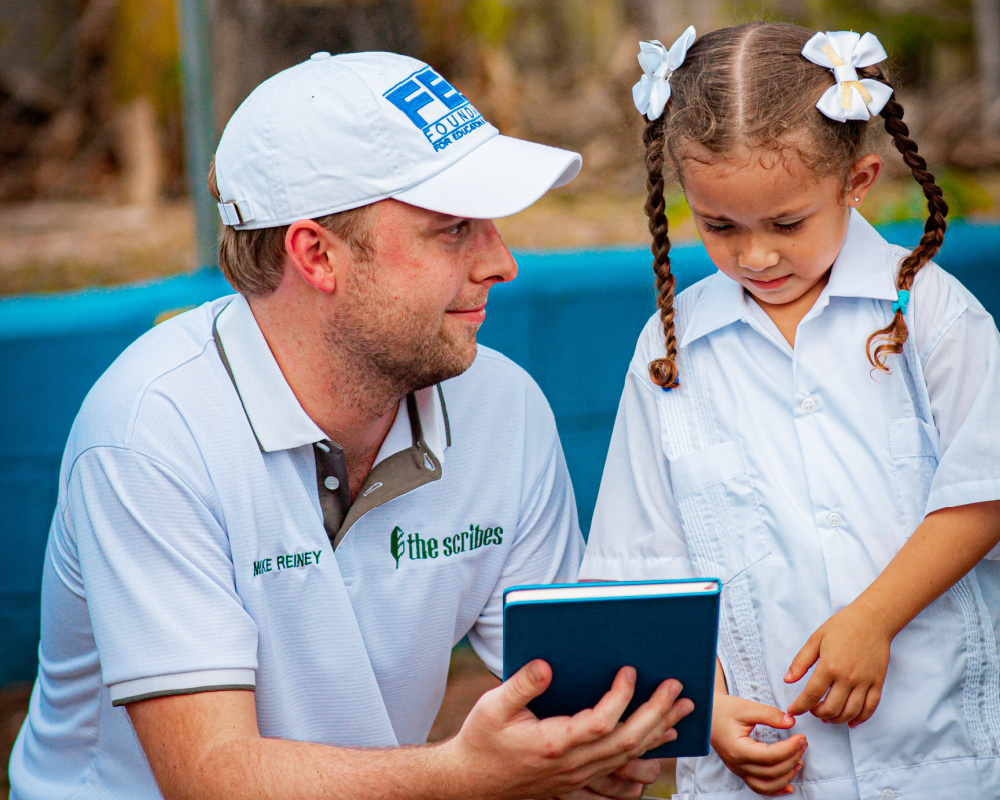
(852, 648)
(768, 769)
(508, 752)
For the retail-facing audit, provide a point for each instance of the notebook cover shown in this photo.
(587, 641)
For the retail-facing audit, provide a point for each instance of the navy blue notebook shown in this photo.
(588, 631)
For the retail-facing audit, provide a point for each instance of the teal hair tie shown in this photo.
(902, 301)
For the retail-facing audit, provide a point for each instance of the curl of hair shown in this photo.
(254, 261)
(662, 371)
(893, 336)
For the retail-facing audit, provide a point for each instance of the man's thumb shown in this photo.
(525, 685)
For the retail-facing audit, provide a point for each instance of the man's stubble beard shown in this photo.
(382, 351)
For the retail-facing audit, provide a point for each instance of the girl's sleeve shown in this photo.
(960, 352)
(636, 533)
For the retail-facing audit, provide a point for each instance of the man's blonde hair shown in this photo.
(253, 261)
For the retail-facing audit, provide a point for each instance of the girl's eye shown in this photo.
(716, 227)
(787, 227)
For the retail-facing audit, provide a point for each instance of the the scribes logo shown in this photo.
(442, 113)
(418, 547)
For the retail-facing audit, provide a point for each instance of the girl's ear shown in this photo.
(316, 254)
(864, 172)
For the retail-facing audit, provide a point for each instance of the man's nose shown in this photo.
(757, 255)
(493, 261)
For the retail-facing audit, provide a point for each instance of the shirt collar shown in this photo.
(865, 267)
(278, 420)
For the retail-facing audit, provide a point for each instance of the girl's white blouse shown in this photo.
(795, 475)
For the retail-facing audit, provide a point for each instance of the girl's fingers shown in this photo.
(832, 706)
(803, 660)
(852, 706)
(775, 787)
(809, 698)
(775, 771)
(872, 699)
(748, 751)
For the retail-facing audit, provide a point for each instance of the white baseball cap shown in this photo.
(338, 132)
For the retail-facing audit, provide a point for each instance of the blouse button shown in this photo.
(888, 794)
(809, 405)
(331, 483)
(835, 521)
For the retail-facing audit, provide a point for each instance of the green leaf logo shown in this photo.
(396, 544)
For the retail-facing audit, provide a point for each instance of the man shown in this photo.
(279, 512)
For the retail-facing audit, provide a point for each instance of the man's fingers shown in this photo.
(616, 787)
(803, 660)
(811, 695)
(640, 770)
(598, 722)
(524, 686)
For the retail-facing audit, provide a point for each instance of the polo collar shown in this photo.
(278, 420)
(865, 267)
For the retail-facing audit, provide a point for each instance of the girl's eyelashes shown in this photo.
(715, 227)
(788, 227)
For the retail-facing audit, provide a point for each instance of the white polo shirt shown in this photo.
(188, 552)
(795, 475)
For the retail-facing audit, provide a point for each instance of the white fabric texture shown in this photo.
(795, 476)
(168, 510)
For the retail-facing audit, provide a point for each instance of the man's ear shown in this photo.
(864, 172)
(316, 254)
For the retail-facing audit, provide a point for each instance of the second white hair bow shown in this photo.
(658, 63)
(844, 52)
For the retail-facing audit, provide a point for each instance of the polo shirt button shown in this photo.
(835, 521)
(809, 405)
(888, 794)
(331, 483)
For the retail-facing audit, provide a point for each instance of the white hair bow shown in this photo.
(844, 52)
(652, 91)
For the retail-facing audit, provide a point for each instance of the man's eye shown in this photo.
(457, 228)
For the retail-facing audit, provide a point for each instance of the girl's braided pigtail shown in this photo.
(662, 371)
(894, 335)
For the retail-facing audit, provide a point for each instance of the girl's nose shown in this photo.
(757, 256)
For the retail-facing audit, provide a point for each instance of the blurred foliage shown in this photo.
(914, 33)
(964, 192)
(145, 59)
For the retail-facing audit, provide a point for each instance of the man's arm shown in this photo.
(207, 745)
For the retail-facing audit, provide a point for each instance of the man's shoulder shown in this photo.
(174, 365)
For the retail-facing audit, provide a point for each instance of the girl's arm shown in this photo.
(852, 647)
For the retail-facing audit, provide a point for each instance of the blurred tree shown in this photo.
(987, 16)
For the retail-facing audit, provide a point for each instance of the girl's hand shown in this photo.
(852, 648)
(768, 769)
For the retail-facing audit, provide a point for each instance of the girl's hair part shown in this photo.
(749, 87)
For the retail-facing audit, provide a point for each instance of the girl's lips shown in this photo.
(777, 283)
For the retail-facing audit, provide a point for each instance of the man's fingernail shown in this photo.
(535, 671)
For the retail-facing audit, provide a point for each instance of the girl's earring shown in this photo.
(857, 199)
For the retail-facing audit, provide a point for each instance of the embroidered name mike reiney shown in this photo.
(286, 561)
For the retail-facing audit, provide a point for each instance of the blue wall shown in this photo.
(571, 319)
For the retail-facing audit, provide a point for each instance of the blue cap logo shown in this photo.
(442, 113)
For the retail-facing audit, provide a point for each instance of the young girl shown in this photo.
(816, 424)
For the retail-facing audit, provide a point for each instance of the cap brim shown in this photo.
(499, 178)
